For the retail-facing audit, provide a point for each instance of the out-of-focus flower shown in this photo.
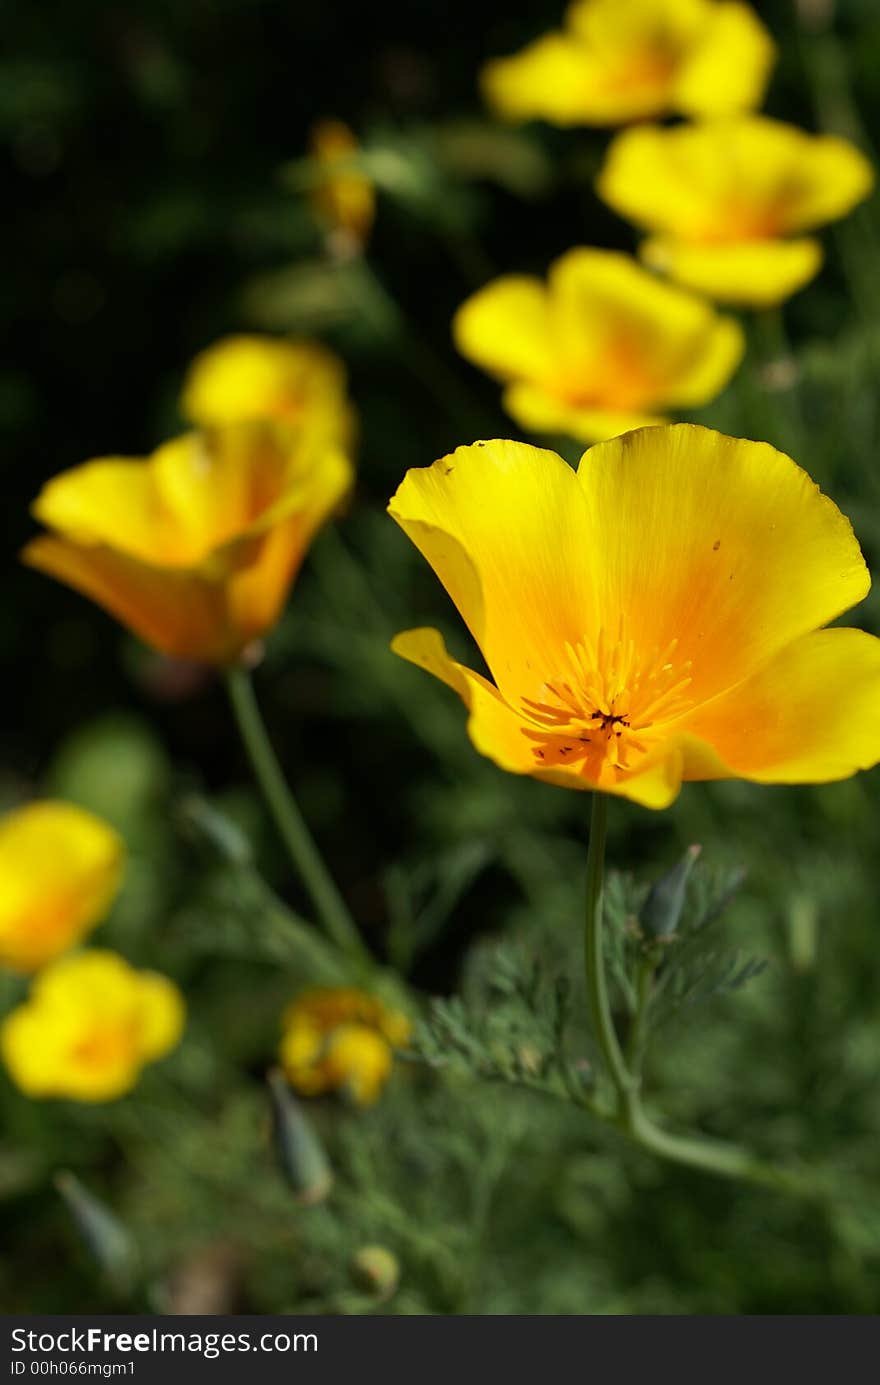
(248, 378)
(194, 548)
(622, 60)
(722, 200)
(343, 197)
(90, 1025)
(651, 618)
(603, 347)
(60, 869)
(341, 1038)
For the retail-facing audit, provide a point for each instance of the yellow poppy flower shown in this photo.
(723, 198)
(194, 548)
(651, 618)
(340, 1037)
(343, 198)
(242, 379)
(60, 869)
(89, 1027)
(622, 60)
(603, 347)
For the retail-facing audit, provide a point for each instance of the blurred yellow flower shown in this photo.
(603, 347)
(622, 60)
(243, 379)
(60, 869)
(194, 548)
(343, 197)
(341, 1038)
(651, 618)
(89, 1027)
(723, 198)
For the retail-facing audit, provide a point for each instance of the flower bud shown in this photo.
(660, 914)
(300, 1152)
(106, 1239)
(376, 1270)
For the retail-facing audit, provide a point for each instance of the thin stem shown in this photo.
(328, 902)
(597, 987)
(638, 1033)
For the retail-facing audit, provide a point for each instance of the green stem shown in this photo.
(597, 987)
(328, 902)
(638, 1033)
(630, 1116)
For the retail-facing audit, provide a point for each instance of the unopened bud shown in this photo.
(300, 1152)
(105, 1238)
(660, 914)
(376, 1270)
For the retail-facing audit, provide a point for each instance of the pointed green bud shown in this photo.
(217, 830)
(300, 1152)
(660, 914)
(105, 1238)
(376, 1270)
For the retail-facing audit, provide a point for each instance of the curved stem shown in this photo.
(597, 988)
(328, 902)
(631, 1118)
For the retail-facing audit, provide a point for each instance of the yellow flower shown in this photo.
(194, 548)
(651, 618)
(89, 1027)
(622, 60)
(599, 349)
(343, 198)
(60, 869)
(722, 200)
(243, 379)
(340, 1037)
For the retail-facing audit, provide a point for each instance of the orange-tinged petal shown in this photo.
(753, 274)
(505, 328)
(538, 411)
(177, 612)
(723, 546)
(60, 869)
(728, 69)
(503, 525)
(809, 715)
(550, 80)
(247, 377)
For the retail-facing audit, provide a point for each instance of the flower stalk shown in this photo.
(624, 1070)
(328, 903)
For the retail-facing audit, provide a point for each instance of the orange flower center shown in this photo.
(603, 708)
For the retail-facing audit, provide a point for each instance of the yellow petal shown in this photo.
(345, 198)
(179, 613)
(753, 274)
(161, 1015)
(60, 869)
(243, 378)
(728, 69)
(627, 342)
(505, 328)
(547, 80)
(809, 715)
(720, 548)
(504, 737)
(736, 180)
(538, 411)
(503, 526)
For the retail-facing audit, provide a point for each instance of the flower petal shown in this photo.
(723, 546)
(540, 412)
(550, 79)
(179, 613)
(505, 327)
(161, 1015)
(243, 378)
(808, 716)
(729, 68)
(503, 525)
(753, 274)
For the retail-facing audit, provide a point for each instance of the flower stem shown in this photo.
(328, 903)
(630, 1116)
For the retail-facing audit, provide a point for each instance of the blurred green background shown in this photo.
(144, 150)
